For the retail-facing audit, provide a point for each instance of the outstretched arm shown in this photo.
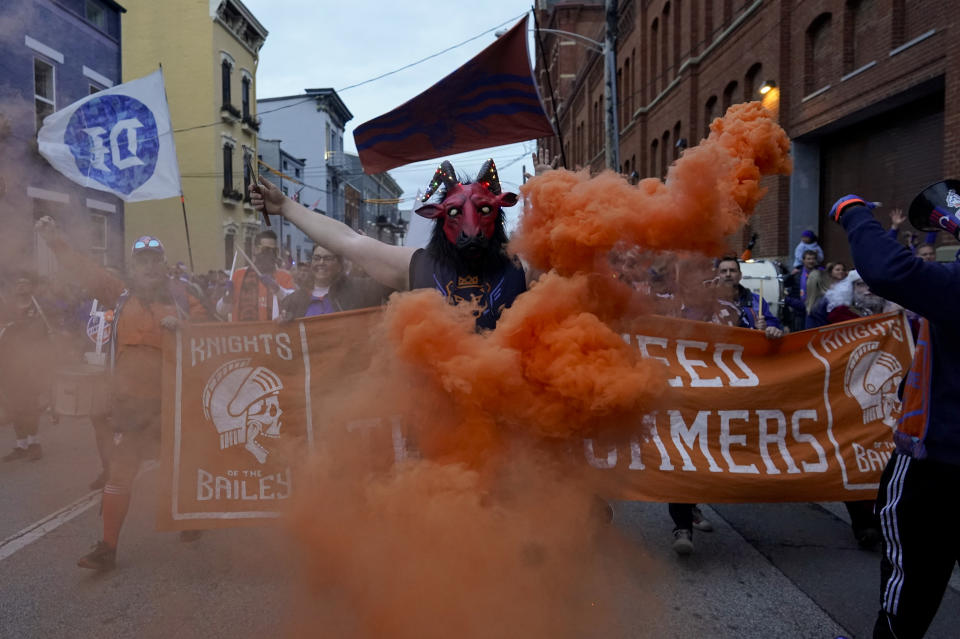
(386, 263)
(79, 268)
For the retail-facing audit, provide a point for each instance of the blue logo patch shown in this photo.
(114, 140)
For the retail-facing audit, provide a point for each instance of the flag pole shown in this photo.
(183, 204)
(186, 227)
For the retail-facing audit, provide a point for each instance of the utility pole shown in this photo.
(610, 87)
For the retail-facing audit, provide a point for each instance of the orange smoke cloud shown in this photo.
(487, 530)
(556, 367)
(571, 221)
(553, 369)
(428, 551)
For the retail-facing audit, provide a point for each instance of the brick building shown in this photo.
(867, 90)
(53, 53)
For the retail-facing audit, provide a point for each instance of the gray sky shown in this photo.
(334, 44)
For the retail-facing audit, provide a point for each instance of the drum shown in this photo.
(80, 389)
(763, 277)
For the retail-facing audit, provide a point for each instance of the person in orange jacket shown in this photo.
(257, 289)
(148, 305)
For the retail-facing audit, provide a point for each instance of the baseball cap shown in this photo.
(146, 243)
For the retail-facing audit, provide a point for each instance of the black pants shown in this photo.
(682, 516)
(918, 517)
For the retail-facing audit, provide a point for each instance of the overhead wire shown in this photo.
(374, 79)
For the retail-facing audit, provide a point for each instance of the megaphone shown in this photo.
(936, 208)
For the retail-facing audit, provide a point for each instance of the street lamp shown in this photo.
(609, 50)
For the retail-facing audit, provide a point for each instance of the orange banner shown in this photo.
(808, 417)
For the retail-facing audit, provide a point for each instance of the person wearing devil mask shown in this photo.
(918, 500)
(465, 259)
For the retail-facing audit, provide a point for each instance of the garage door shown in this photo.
(888, 159)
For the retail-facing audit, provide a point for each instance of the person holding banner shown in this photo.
(326, 287)
(152, 304)
(741, 307)
(919, 493)
(258, 288)
(464, 260)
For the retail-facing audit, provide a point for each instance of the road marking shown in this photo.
(51, 522)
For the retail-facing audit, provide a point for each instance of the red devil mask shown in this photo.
(469, 212)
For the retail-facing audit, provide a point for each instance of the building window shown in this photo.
(296, 172)
(665, 46)
(98, 237)
(858, 41)
(595, 134)
(285, 190)
(676, 141)
(750, 82)
(245, 97)
(654, 151)
(654, 28)
(227, 168)
(626, 99)
(708, 21)
(898, 22)
(228, 250)
(43, 90)
(728, 94)
(620, 111)
(225, 70)
(664, 154)
(247, 176)
(96, 15)
(248, 242)
(677, 35)
(709, 113)
(817, 54)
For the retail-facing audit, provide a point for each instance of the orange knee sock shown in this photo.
(116, 502)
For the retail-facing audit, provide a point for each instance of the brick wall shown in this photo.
(865, 59)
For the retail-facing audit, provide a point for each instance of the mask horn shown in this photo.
(444, 175)
(488, 177)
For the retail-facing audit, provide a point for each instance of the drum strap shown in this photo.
(121, 302)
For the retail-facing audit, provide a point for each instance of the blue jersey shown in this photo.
(492, 291)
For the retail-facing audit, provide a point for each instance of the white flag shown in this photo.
(118, 140)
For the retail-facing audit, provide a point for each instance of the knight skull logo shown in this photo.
(243, 402)
(872, 379)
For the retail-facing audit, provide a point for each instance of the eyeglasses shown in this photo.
(147, 242)
(324, 259)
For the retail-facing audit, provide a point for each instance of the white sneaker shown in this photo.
(682, 542)
(700, 522)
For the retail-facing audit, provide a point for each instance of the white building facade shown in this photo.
(310, 126)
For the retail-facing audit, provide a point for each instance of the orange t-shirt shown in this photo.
(252, 300)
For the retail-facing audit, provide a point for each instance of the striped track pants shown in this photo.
(918, 502)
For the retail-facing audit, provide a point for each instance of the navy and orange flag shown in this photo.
(489, 101)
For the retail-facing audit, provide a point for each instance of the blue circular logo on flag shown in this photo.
(114, 140)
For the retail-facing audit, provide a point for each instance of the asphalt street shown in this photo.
(768, 570)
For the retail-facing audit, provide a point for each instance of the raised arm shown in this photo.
(79, 268)
(895, 274)
(386, 263)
